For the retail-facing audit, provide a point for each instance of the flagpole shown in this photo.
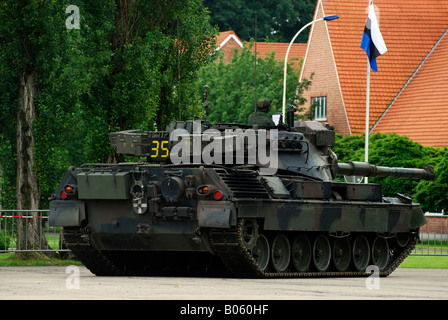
(366, 147)
(366, 152)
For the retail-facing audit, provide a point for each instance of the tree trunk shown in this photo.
(29, 230)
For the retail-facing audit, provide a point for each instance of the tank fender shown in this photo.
(418, 218)
(216, 214)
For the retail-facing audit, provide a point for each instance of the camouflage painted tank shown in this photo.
(206, 199)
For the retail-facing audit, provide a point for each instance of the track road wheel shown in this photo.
(403, 238)
(280, 253)
(361, 253)
(249, 232)
(341, 254)
(260, 252)
(380, 253)
(301, 253)
(321, 253)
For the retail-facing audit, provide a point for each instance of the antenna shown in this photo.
(178, 68)
(255, 76)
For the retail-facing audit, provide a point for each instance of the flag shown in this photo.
(372, 41)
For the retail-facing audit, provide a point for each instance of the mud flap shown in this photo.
(213, 214)
(66, 213)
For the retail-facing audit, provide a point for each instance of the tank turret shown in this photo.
(303, 148)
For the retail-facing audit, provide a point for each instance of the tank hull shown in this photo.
(154, 220)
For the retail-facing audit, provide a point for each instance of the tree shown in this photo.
(232, 86)
(27, 38)
(433, 194)
(133, 79)
(277, 21)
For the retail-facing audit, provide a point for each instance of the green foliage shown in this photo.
(118, 71)
(277, 21)
(349, 148)
(28, 41)
(5, 241)
(433, 195)
(392, 150)
(8, 168)
(232, 86)
(132, 72)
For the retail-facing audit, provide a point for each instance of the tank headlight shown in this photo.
(217, 195)
(68, 190)
(210, 191)
(203, 189)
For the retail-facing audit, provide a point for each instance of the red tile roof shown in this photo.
(227, 42)
(296, 52)
(421, 110)
(224, 36)
(410, 29)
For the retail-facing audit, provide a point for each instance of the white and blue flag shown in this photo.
(372, 41)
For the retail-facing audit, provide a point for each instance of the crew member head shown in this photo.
(264, 105)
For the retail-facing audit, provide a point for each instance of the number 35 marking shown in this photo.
(161, 146)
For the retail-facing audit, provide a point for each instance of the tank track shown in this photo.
(137, 263)
(78, 242)
(229, 245)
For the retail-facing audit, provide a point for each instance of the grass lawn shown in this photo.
(425, 262)
(10, 259)
(413, 261)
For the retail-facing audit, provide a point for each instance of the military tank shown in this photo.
(237, 200)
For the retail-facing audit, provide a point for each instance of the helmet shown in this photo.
(264, 105)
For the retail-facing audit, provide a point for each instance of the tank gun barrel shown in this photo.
(363, 169)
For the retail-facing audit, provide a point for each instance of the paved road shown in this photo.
(78, 283)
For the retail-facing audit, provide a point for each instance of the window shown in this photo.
(320, 109)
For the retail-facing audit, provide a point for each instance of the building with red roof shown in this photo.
(420, 109)
(408, 94)
(228, 41)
